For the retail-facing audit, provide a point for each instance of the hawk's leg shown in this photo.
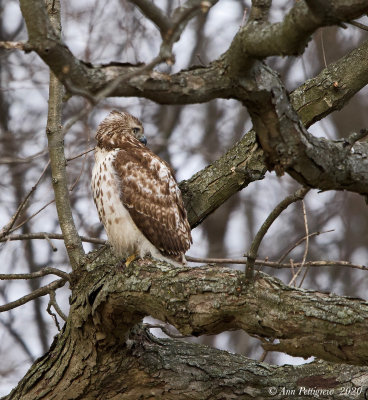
(130, 259)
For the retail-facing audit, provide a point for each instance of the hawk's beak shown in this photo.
(143, 140)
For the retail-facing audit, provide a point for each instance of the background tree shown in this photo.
(102, 350)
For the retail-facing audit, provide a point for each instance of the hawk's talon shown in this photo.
(130, 259)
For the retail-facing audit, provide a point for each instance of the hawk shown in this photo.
(136, 194)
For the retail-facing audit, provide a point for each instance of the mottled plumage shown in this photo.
(136, 195)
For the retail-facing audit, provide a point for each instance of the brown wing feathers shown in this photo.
(149, 191)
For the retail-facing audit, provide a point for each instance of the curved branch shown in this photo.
(205, 300)
(253, 251)
(314, 162)
(198, 84)
(258, 39)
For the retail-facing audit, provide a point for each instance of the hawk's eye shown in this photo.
(135, 130)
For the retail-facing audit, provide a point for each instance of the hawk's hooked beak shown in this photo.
(143, 140)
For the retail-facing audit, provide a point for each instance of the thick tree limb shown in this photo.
(244, 162)
(147, 367)
(205, 300)
(259, 39)
(314, 162)
(199, 84)
(101, 352)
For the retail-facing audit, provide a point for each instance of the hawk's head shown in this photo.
(117, 127)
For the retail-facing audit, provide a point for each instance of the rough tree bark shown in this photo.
(103, 351)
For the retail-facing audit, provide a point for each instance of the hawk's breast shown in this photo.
(122, 232)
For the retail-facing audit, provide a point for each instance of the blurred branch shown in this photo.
(15, 160)
(8, 227)
(30, 217)
(172, 27)
(13, 45)
(18, 338)
(253, 251)
(155, 14)
(55, 139)
(306, 246)
(42, 291)
(37, 274)
(358, 25)
(297, 243)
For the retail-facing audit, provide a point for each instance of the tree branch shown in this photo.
(205, 300)
(44, 235)
(55, 139)
(42, 291)
(37, 274)
(253, 251)
(314, 162)
(289, 37)
(131, 371)
(155, 14)
(277, 264)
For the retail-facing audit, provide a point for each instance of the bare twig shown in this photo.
(50, 243)
(80, 154)
(31, 216)
(13, 45)
(16, 160)
(358, 25)
(42, 291)
(323, 49)
(8, 227)
(56, 306)
(43, 235)
(253, 251)
(306, 244)
(18, 338)
(38, 274)
(300, 241)
(53, 315)
(154, 13)
(276, 264)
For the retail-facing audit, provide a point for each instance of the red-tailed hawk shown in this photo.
(136, 195)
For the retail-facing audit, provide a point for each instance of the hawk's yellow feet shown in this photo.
(130, 259)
